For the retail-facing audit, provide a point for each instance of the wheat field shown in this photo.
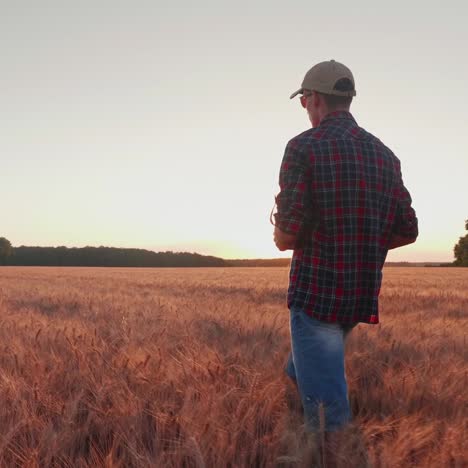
(184, 368)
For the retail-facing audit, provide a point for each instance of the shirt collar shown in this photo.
(341, 114)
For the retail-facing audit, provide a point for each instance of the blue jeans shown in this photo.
(316, 364)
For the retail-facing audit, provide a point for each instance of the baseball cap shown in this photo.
(324, 78)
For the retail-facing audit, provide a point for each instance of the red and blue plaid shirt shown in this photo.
(343, 196)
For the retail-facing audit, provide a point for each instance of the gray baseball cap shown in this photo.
(323, 78)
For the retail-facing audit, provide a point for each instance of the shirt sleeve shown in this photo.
(293, 199)
(406, 222)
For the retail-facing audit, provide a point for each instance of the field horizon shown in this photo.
(131, 257)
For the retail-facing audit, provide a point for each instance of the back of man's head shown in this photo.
(331, 79)
(335, 102)
(327, 87)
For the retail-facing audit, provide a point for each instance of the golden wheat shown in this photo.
(184, 367)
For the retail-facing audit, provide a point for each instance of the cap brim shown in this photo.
(299, 91)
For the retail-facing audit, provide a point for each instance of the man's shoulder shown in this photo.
(319, 138)
(364, 134)
(307, 137)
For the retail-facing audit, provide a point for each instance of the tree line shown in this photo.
(101, 256)
(117, 257)
(460, 250)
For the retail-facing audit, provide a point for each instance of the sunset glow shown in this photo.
(163, 127)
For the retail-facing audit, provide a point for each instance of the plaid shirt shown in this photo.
(342, 194)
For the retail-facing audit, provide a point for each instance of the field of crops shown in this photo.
(183, 368)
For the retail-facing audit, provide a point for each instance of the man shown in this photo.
(342, 205)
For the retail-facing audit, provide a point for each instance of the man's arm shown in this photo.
(399, 241)
(405, 229)
(292, 199)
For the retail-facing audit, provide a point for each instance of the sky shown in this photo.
(162, 124)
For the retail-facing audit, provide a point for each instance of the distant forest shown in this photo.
(119, 257)
(107, 257)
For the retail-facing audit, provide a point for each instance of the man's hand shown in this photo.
(283, 240)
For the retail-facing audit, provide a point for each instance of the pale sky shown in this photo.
(162, 124)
